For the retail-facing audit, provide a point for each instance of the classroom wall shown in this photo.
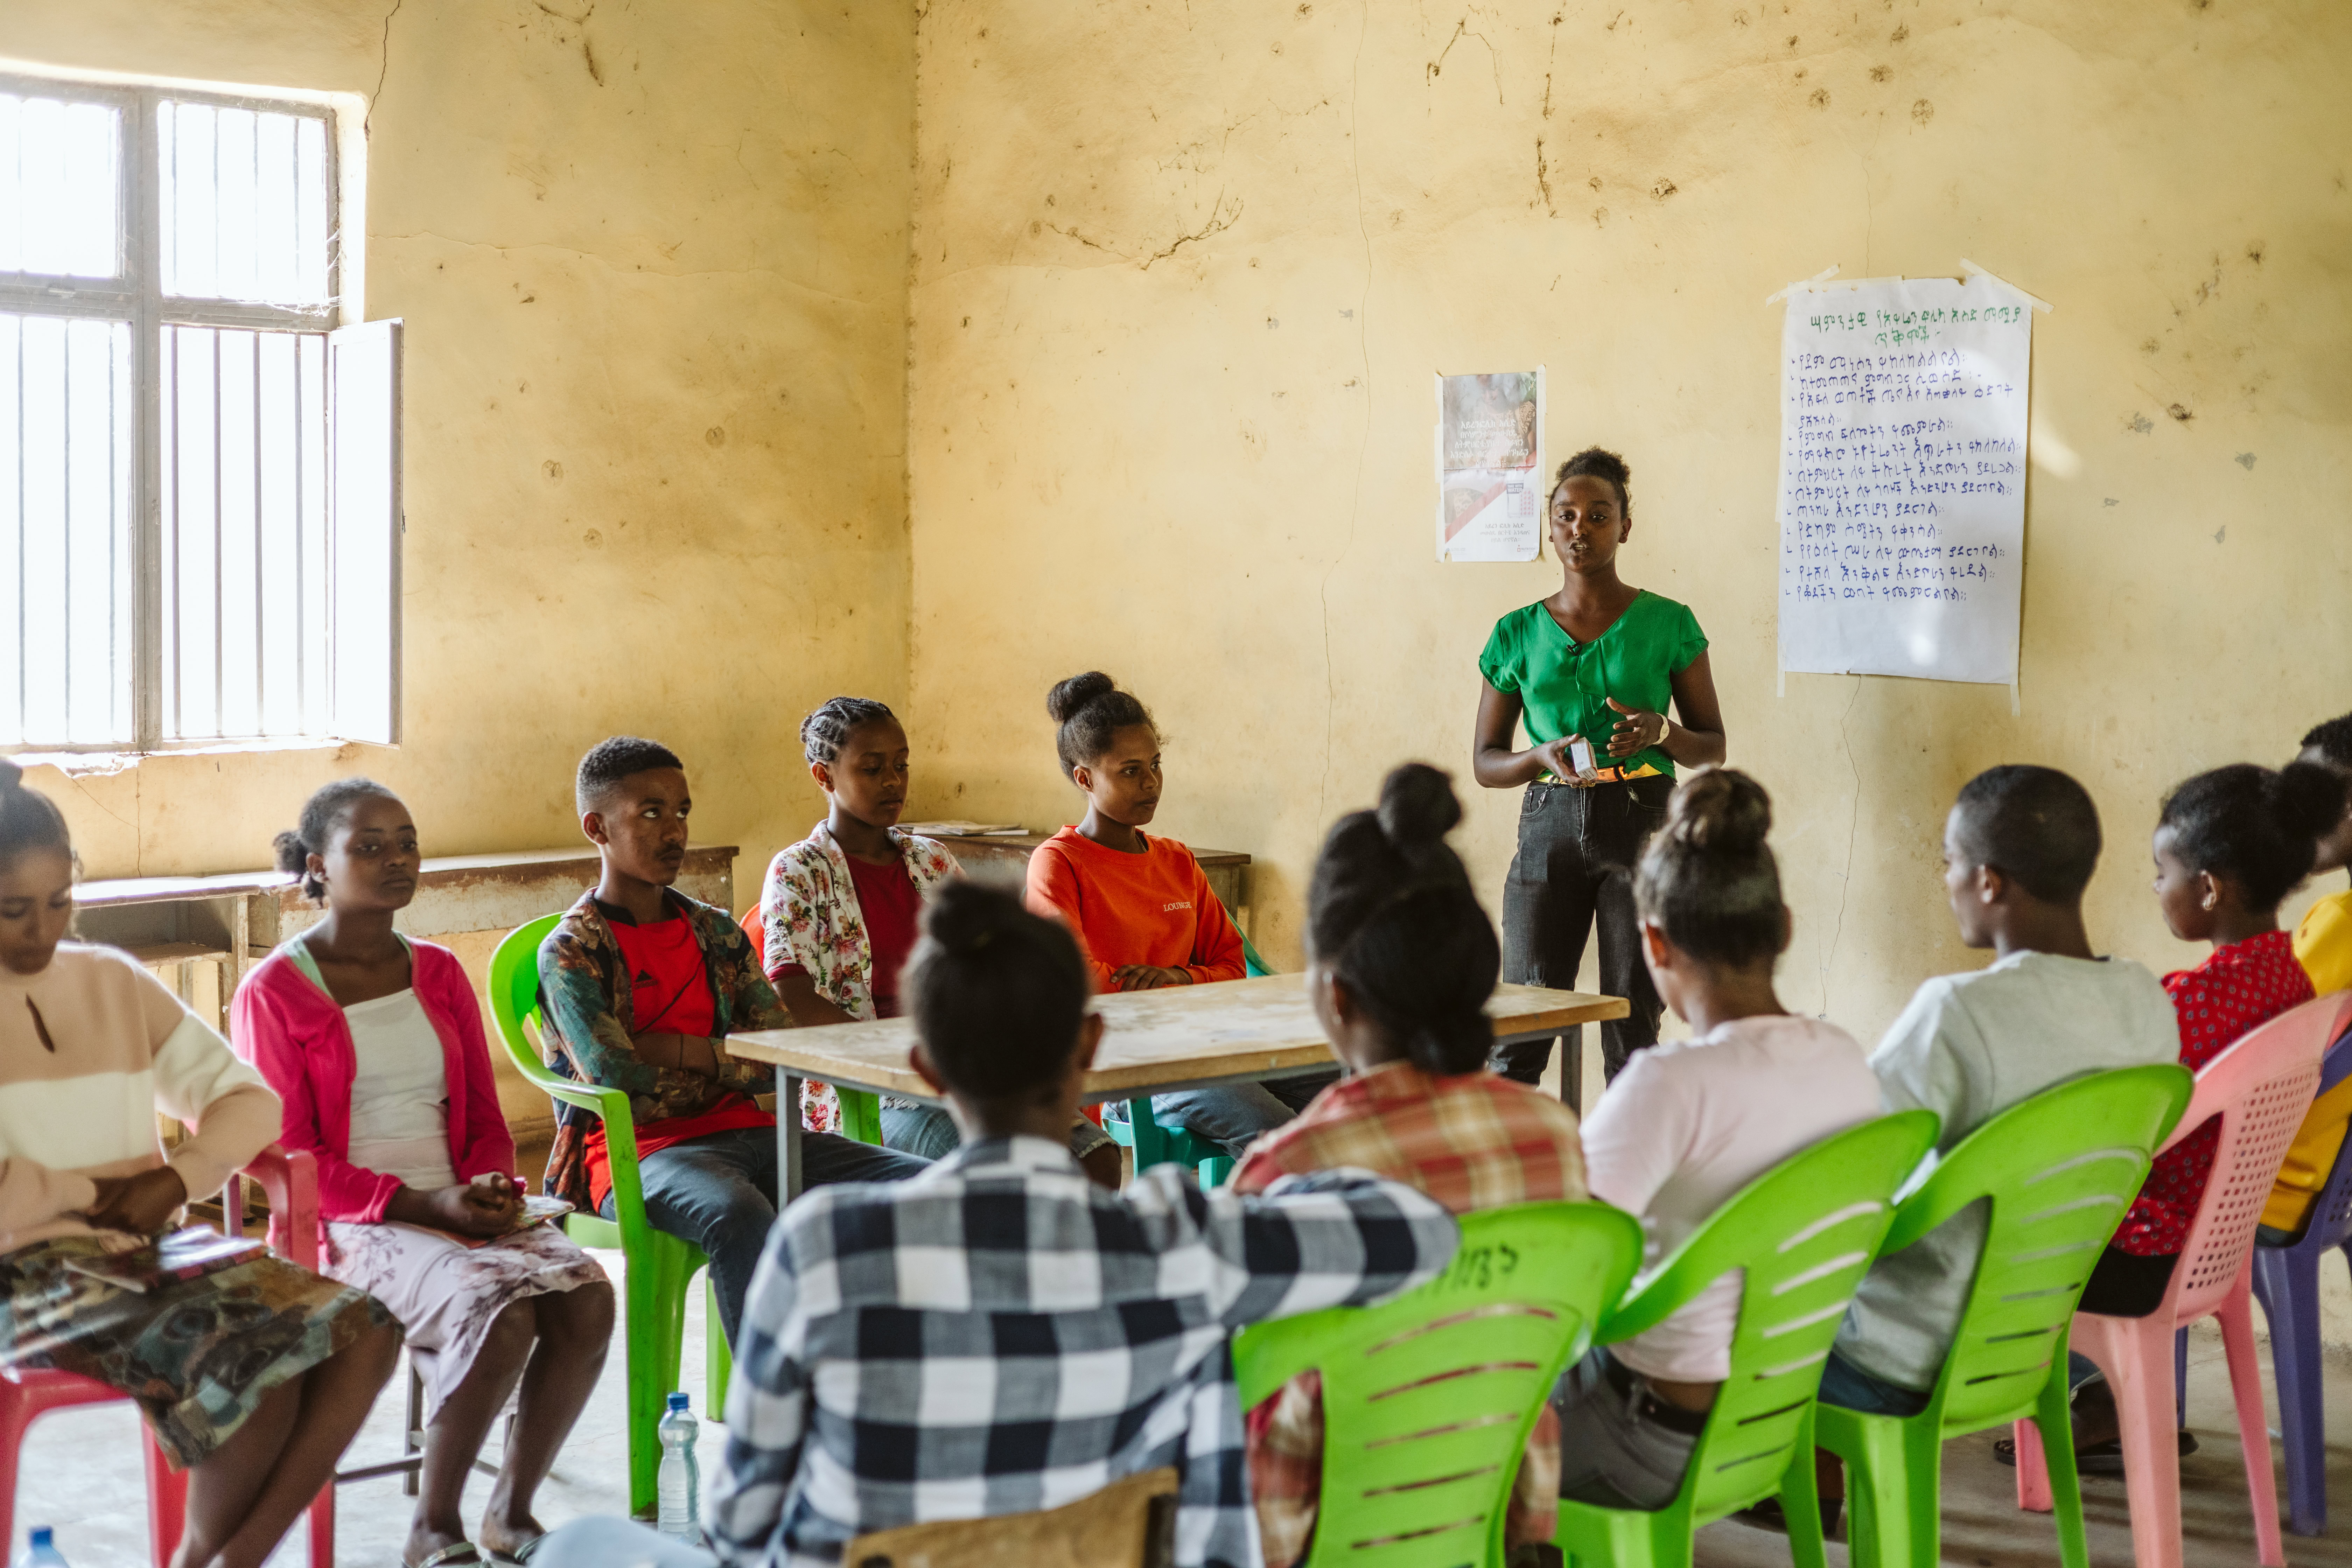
(1183, 271)
(652, 262)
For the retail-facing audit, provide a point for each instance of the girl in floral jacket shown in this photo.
(840, 910)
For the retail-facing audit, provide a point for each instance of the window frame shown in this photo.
(135, 294)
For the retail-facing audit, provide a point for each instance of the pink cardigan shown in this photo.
(295, 1033)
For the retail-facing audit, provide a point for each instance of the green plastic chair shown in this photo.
(658, 1267)
(2059, 1169)
(1428, 1399)
(1804, 1232)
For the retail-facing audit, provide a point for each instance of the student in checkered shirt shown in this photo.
(999, 1334)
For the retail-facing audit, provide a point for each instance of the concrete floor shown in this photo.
(80, 1473)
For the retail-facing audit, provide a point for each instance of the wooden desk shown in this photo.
(1227, 870)
(1154, 1042)
(228, 922)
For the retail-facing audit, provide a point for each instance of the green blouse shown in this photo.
(1565, 685)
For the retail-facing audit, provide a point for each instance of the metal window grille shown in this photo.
(199, 524)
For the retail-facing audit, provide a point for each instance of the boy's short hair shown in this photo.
(609, 762)
(2035, 825)
(2333, 741)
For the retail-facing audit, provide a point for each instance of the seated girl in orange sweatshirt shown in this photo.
(1139, 905)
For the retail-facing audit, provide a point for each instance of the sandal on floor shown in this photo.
(2095, 1459)
(457, 1554)
(521, 1556)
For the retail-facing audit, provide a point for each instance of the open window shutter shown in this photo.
(363, 548)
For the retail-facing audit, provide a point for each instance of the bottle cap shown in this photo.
(43, 1535)
(677, 1402)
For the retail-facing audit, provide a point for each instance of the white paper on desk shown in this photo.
(1902, 499)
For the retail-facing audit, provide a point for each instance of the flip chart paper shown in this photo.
(1902, 501)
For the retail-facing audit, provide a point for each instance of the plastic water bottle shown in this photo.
(679, 1483)
(41, 1550)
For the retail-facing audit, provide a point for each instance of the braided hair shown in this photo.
(28, 820)
(825, 731)
(1390, 909)
(328, 807)
(1090, 709)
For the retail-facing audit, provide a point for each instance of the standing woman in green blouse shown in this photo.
(1595, 662)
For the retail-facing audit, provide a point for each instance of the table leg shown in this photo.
(787, 1137)
(1571, 1068)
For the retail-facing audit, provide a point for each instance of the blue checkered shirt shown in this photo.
(999, 1334)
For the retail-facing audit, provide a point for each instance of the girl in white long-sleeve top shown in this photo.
(254, 1377)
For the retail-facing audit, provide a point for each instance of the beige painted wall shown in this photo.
(652, 269)
(1183, 271)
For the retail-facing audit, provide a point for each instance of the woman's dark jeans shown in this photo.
(1574, 869)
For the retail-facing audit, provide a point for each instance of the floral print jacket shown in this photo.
(810, 908)
(584, 997)
(812, 919)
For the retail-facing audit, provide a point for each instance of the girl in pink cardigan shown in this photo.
(374, 1044)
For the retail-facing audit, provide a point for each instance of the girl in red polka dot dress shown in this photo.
(2230, 846)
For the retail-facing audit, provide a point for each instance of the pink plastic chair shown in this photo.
(2260, 1088)
(291, 1183)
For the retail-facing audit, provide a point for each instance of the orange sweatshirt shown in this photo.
(1154, 908)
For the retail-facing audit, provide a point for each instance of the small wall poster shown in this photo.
(1490, 466)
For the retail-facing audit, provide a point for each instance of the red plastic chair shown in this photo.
(291, 1183)
(2261, 1089)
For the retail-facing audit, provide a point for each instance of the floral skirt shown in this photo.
(198, 1356)
(446, 1294)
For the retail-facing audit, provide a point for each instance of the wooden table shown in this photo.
(1154, 1042)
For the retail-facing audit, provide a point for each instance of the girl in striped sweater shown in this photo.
(254, 1377)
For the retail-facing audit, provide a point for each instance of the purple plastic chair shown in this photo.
(2286, 1282)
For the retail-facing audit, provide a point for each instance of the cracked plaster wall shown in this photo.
(1183, 270)
(652, 261)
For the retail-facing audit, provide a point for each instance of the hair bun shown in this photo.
(964, 916)
(1068, 697)
(1417, 806)
(293, 855)
(2308, 800)
(1720, 811)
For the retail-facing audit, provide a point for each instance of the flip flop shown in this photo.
(521, 1556)
(457, 1554)
(2092, 1459)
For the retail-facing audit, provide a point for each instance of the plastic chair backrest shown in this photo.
(2330, 1223)
(1804, 1232)
(514, 995)
(2059, 1169)
(2261, 1087)
(1428, 1399)
(755, 926)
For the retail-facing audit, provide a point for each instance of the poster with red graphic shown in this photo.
(1490, 466)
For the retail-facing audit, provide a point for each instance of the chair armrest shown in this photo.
(289, 1179)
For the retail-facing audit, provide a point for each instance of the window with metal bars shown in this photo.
(200, 515)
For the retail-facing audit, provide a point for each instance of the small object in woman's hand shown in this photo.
(1580, 751)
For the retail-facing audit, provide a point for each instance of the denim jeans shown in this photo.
(1615, 1450)
(930, 1133)
(1574, 869)
(1847, 1385)
(1235, 1114)
(719, 1192)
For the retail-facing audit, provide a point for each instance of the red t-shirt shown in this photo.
(891, 905)
(2242, 985)
(670, 994)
